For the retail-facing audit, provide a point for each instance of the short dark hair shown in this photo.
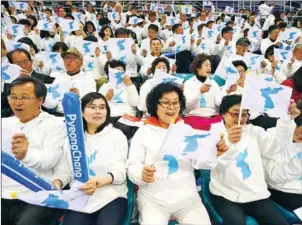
(270, 51)
(69, 16)
(278, 19)
(102, 31)
(231, 22)
(226, 29)
(86, 25)
(198, 61)
(228, 101)
(121, 31)
(59, 45)
(153, 27)
(22, 50)
(24, 22)
(158, 91)
(272, 28)
(91, 38)
(240, 63)
(49, 10)
(175, 27)
(34, 19)
(282, 25)
(158, 60)
(201, 26)
(89, 98)
(113, 64)
(40, 88)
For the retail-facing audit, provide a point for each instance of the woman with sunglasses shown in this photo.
(106, 151)
(166, 185)
(237, 183)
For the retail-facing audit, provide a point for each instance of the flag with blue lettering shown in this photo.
(86, 47)
(45, 25)
(253, 61)
(282, 55)
(182, 42)
(268, 97)
(12, 45)
(162, 77)
(116, 78)
(16, 30)
(208, 33)
(70, 25)
(226, 74)
(10, 72)
(183, 141)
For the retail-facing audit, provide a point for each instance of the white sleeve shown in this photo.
(89, 86)
(143, 93)
(63, 171)
(136, 158)
(192, 95)
(52, 148)
(118, 167)
(132, 95)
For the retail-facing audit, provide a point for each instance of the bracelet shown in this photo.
(111, 177)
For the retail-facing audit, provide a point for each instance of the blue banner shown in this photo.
(16, 170)
(73, 118)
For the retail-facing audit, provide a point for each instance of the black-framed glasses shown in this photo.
(167, 104)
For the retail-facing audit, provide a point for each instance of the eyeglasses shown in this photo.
(23, 62)
(70, 58)
(236, 115)
(167, 104)
(96, 107)
(21, 98)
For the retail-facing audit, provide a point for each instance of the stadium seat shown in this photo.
(130, 202)
(291, 217)
(205, 195)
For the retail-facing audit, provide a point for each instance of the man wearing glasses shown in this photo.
(37, 140)
(74, 78)
(22, 58)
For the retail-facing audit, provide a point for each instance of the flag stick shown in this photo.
(161, 146)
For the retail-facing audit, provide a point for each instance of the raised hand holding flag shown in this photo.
(10, 72)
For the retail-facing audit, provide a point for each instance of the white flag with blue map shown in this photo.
(79, 16)
(21, 6)
(12, 45)
(45, 25)
(86, 47)
(119, 48)
(289, 35)
(183, 141)
(267, 97)
(182, 42)
(208, 33)
(10, 72)
(226, 73)
(70, 25)
(16, 30)
(253, 61)
(162, 77)
(116, 78)
(254, 33)
(57, 89)
(52, 60)
(282, 55)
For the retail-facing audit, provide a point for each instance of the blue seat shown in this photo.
(291, 217)
(130, 196)
(206, 199)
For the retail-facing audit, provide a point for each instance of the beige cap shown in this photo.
(73, 51)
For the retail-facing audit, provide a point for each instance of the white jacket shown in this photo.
(110, 156)
(264, 10)
(143, 93)
(193, 97)
(83, 82)
(46, 135)
(283, 169)
(168, 189)
(288, 72)
(129, 96)
(265, 43)
(239, 174)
